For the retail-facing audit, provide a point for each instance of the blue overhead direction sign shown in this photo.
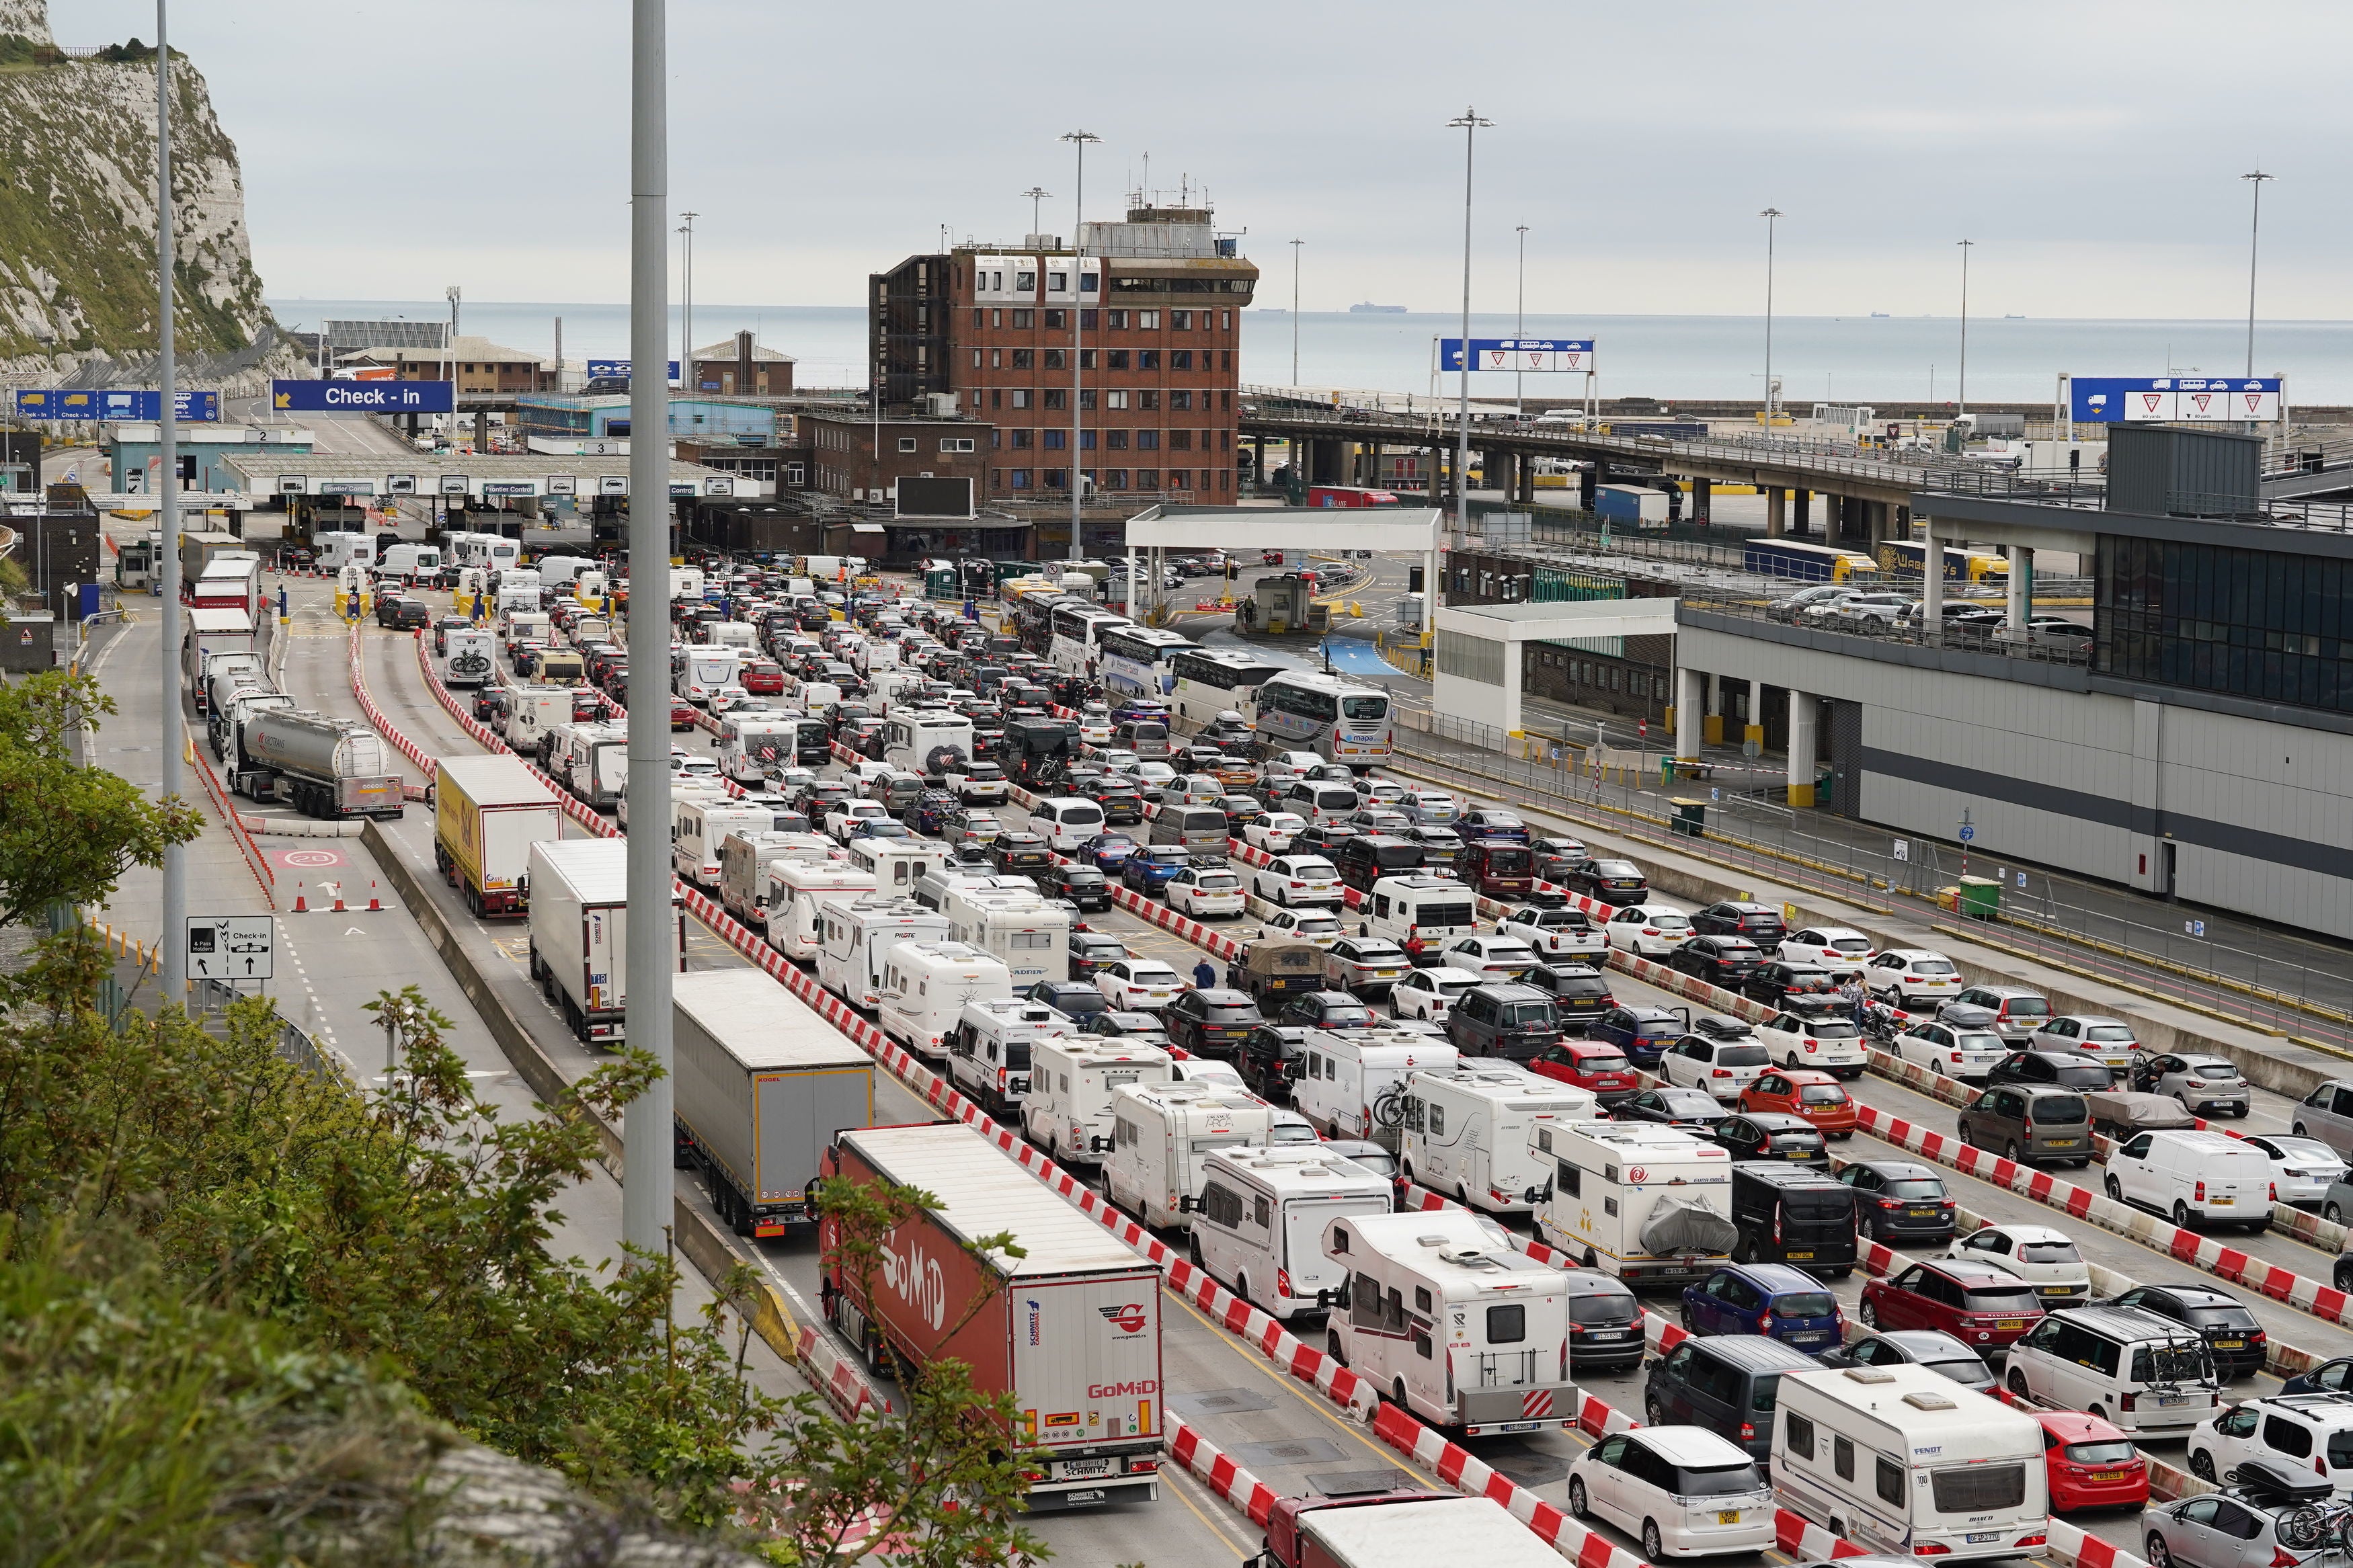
(362, 397)
(602, 369)
(2139, 399)
(1535, 354)
(90, 403)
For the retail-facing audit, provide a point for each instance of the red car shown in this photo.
(1804, 1091)
(763, 678)
(2091, 1464)
(1589, 1064)
(681, 714)
(1983, 1306)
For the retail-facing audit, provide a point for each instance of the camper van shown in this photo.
(1900, 1458)
(534, 714)
(925, 987)
(1032, 936)
(896, 863)
(591, 761)
(698, 672)
(1265, 1213)
(473, 660)
(743, 861)
(1352, 1084)
(795, 888)
(698, 826)
(857, 931)
(1160, 1135)
(1073, 1079)
(928, 741)
(1468, 1133)
(1421, 914)
(1639, 1200)
(1474, 1332)
(989, 1049)
(754, 746)
(337, 551)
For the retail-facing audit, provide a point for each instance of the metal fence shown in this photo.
(213, 997)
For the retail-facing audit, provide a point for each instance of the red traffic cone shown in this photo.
(339, 897)
(373, 904)
(299, 907)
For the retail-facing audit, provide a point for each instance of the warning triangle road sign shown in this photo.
(2201, 399)
(2254, 400)
(2151, 399)
(1497, 358)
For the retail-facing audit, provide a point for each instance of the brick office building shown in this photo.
(1155, 319)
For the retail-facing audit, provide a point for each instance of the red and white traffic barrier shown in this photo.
(1250, 1496)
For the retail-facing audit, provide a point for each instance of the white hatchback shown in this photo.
(1648, 930)
(1430, 993)
(2043, 1256)
(1909, 976)
(1298, 879)
(1204, 892)
(1723, 1068)
(1303, 925)
(1965, 1054)
(1275, 831)
(1683, 1491)
(1146, 984)
(1828, 1041)
(1836, 948)
(1495, 960)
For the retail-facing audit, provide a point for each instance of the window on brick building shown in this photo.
(1180, 400)
(955, 443)
(1148, 478)
(1021, 439)
(1225, 441)
(906, 443)
(1114, 478)
(1058, 359)
(1115, 359)
(1226, 320)
(1055, 479)
(996, 318)
(976, 359)
(1117, 320)
(1086, 359)
(1180, 359)
(1021, 319)
(1087, 318)
(1025, 359)
(1020, 479)
(1149, 397)
(1057, 320)
(1226, 356)
(1180, 440)
(1180, 480)
(996, 397)
(1086, 440)
(1224, 479)
(1148, 321)
(1180, 320)
(1022, 396)
(1147, 359)
(1115, 399)
(995, 439)
(979, 318)
(1058, 397)
(1116, 439)
(1147, 440)
(996, 479)
(1051, 440)
(1024, 283)
(1087, 397)
(997, 358)
(1226, 399)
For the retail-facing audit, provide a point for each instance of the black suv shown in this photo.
(1269, 1058)
(1507, 1020)
(1777, 982)
(2047, 1069)
(1760, 923)
(1212, 1022)
(1075, 880)
(1724, 961)
(2234, 1337)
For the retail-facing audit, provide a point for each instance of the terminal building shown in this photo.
(2200, 746)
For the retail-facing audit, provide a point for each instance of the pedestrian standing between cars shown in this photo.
(1850, 993)
(1205, 976)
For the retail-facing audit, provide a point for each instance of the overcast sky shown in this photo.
(2092, 150)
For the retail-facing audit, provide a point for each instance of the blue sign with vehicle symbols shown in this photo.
(91, 403)
(363, 396)
(619, 369)
(1534, 355)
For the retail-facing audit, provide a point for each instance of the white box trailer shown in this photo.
(1160, 1135)
(1473, 1330)
(1265, 1213)
(208, 632)
(1470, 1132)
(1072, 1081)
(856, 930)
(1933, 1470)
(764, 1087)
(1070, 1330)
(795, 888)
(1351, 1083)
(1643, 1202)
(579, 933)
(926, 986)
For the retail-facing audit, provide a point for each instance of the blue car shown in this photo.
(1770, 1300)
(1107, 852)
(1644, 1033)
(1148, 870)
(1492, 822)
(931, 812)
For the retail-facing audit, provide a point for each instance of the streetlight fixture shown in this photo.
(1471, 124)
(687, 379)
(1772, 216)
(1078, 139)
(174, 738)
(1520, 326)
(1036, 194)
(1961, 397)
(2254, 231)
(1294, 309)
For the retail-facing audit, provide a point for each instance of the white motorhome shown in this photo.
(795, 888)
(1902, 1460)
(1032, 936)
(745, 859)
(1263, 1214)
(1352, 1084)
(1468, 1133)
(337, 551)
(1421, 914)
(925, 987)
(736, 634)
(473, 659)
(752, 747)
(1637, 1200)
(1472, 1330)
(896, 863)
(988, 1052)
(698, 824)
(1160, 1135)
(685, 582)
(699, 671)
(1073, 1079)
(857, 932)
(534, 715)
(928, 741)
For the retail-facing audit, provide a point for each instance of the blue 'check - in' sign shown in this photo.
(362, 397)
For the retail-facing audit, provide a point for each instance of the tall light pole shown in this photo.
(1961, 397)
(687, 380)
(1471, 124)
(2255, 232)
(1520, 326)
(1772, 216)
(175, 736)
(647, 1136)
(1294, 309)
(1036, 194)
(1078, 139)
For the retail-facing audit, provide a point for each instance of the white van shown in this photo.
(1065, 822)
(795, 888)
(1160, 1135)
(990, 1048)
(1259, 1225)
(2193, 1178)
(926, 986)
(1473, 1331)
(410, 561)
(698, 826)
(1421, 914)
(1073, 1079)
(857, 932)
(1644, 1202)
(2148, 1375)
(1900, 1458)
(1352, 1084)
(1470, 1132)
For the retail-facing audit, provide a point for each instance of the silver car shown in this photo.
(2110, 1039)
(1429, 806)
(2201, 1084)
(2234, 1528)
(2327, 1114)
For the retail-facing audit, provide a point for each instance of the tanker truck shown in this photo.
(326, 767)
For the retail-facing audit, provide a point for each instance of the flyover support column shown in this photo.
(1529, 478)
(2021, 566)
(1690, 687)
(1712, 726)
(1932, 589)
(1777, 512)
(1754, 730)
(1436, 496)
(1703, 501)
(1803, 710)
(1805, 510)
